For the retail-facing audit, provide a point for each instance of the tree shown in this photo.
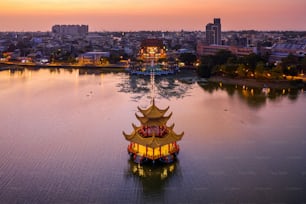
(114, 58)
(205, 70)
(11, 48)
(230, 69)
(303, 65)
(292, 70)
(289, 64)
(259, 70)
(206, 66)
(24, 47)
(188, 58)
(251, 61)
(241, 70)
(276, 72)
(222, 57)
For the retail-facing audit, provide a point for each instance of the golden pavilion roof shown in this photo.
(153, 111)
(153, 117)
(153, 141)
(153, 122)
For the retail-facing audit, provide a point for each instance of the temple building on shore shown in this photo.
(152, 49)
(153, 140)
(152, 56)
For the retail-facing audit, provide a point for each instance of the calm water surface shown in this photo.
(61, 141)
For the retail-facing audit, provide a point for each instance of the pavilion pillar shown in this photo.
(159, 151)
(146, 151)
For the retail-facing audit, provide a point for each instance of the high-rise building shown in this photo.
(70, 29)
(213, 32)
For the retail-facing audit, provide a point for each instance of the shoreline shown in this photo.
(64, 66)
(186, 74)
(257, 83)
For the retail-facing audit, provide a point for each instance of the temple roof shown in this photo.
(153, 116)
(153, 121)
(153, 111)
(153, 142)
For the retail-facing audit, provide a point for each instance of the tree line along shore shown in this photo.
(252, 70)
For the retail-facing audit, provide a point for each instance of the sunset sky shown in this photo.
(171, 15)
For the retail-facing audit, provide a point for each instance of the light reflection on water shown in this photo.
(61, 142)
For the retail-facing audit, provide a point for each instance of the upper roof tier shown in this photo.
(153, 121)
(153, 112)
(153, 116)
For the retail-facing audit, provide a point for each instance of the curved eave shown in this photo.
(157, 122)
(128, 136)
(174, 135)
(153, 111)
(153, 142)
(143, 120)
(135, 127)
(168, 117)
(171, 127)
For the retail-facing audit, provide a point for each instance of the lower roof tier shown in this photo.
(153, 141)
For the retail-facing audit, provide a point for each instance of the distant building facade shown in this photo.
(213, 32)
(70, 29)
(203, 49)
(282, 50)
(94, 58)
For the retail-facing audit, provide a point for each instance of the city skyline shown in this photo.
(135, 15)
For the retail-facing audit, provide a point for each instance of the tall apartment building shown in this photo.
(70, 29)
(213, 32)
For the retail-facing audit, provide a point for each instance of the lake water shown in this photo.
(61, 141)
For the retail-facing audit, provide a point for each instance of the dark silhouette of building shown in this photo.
(213, 32)
(70, 29)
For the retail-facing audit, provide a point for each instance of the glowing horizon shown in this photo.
(134, 15)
